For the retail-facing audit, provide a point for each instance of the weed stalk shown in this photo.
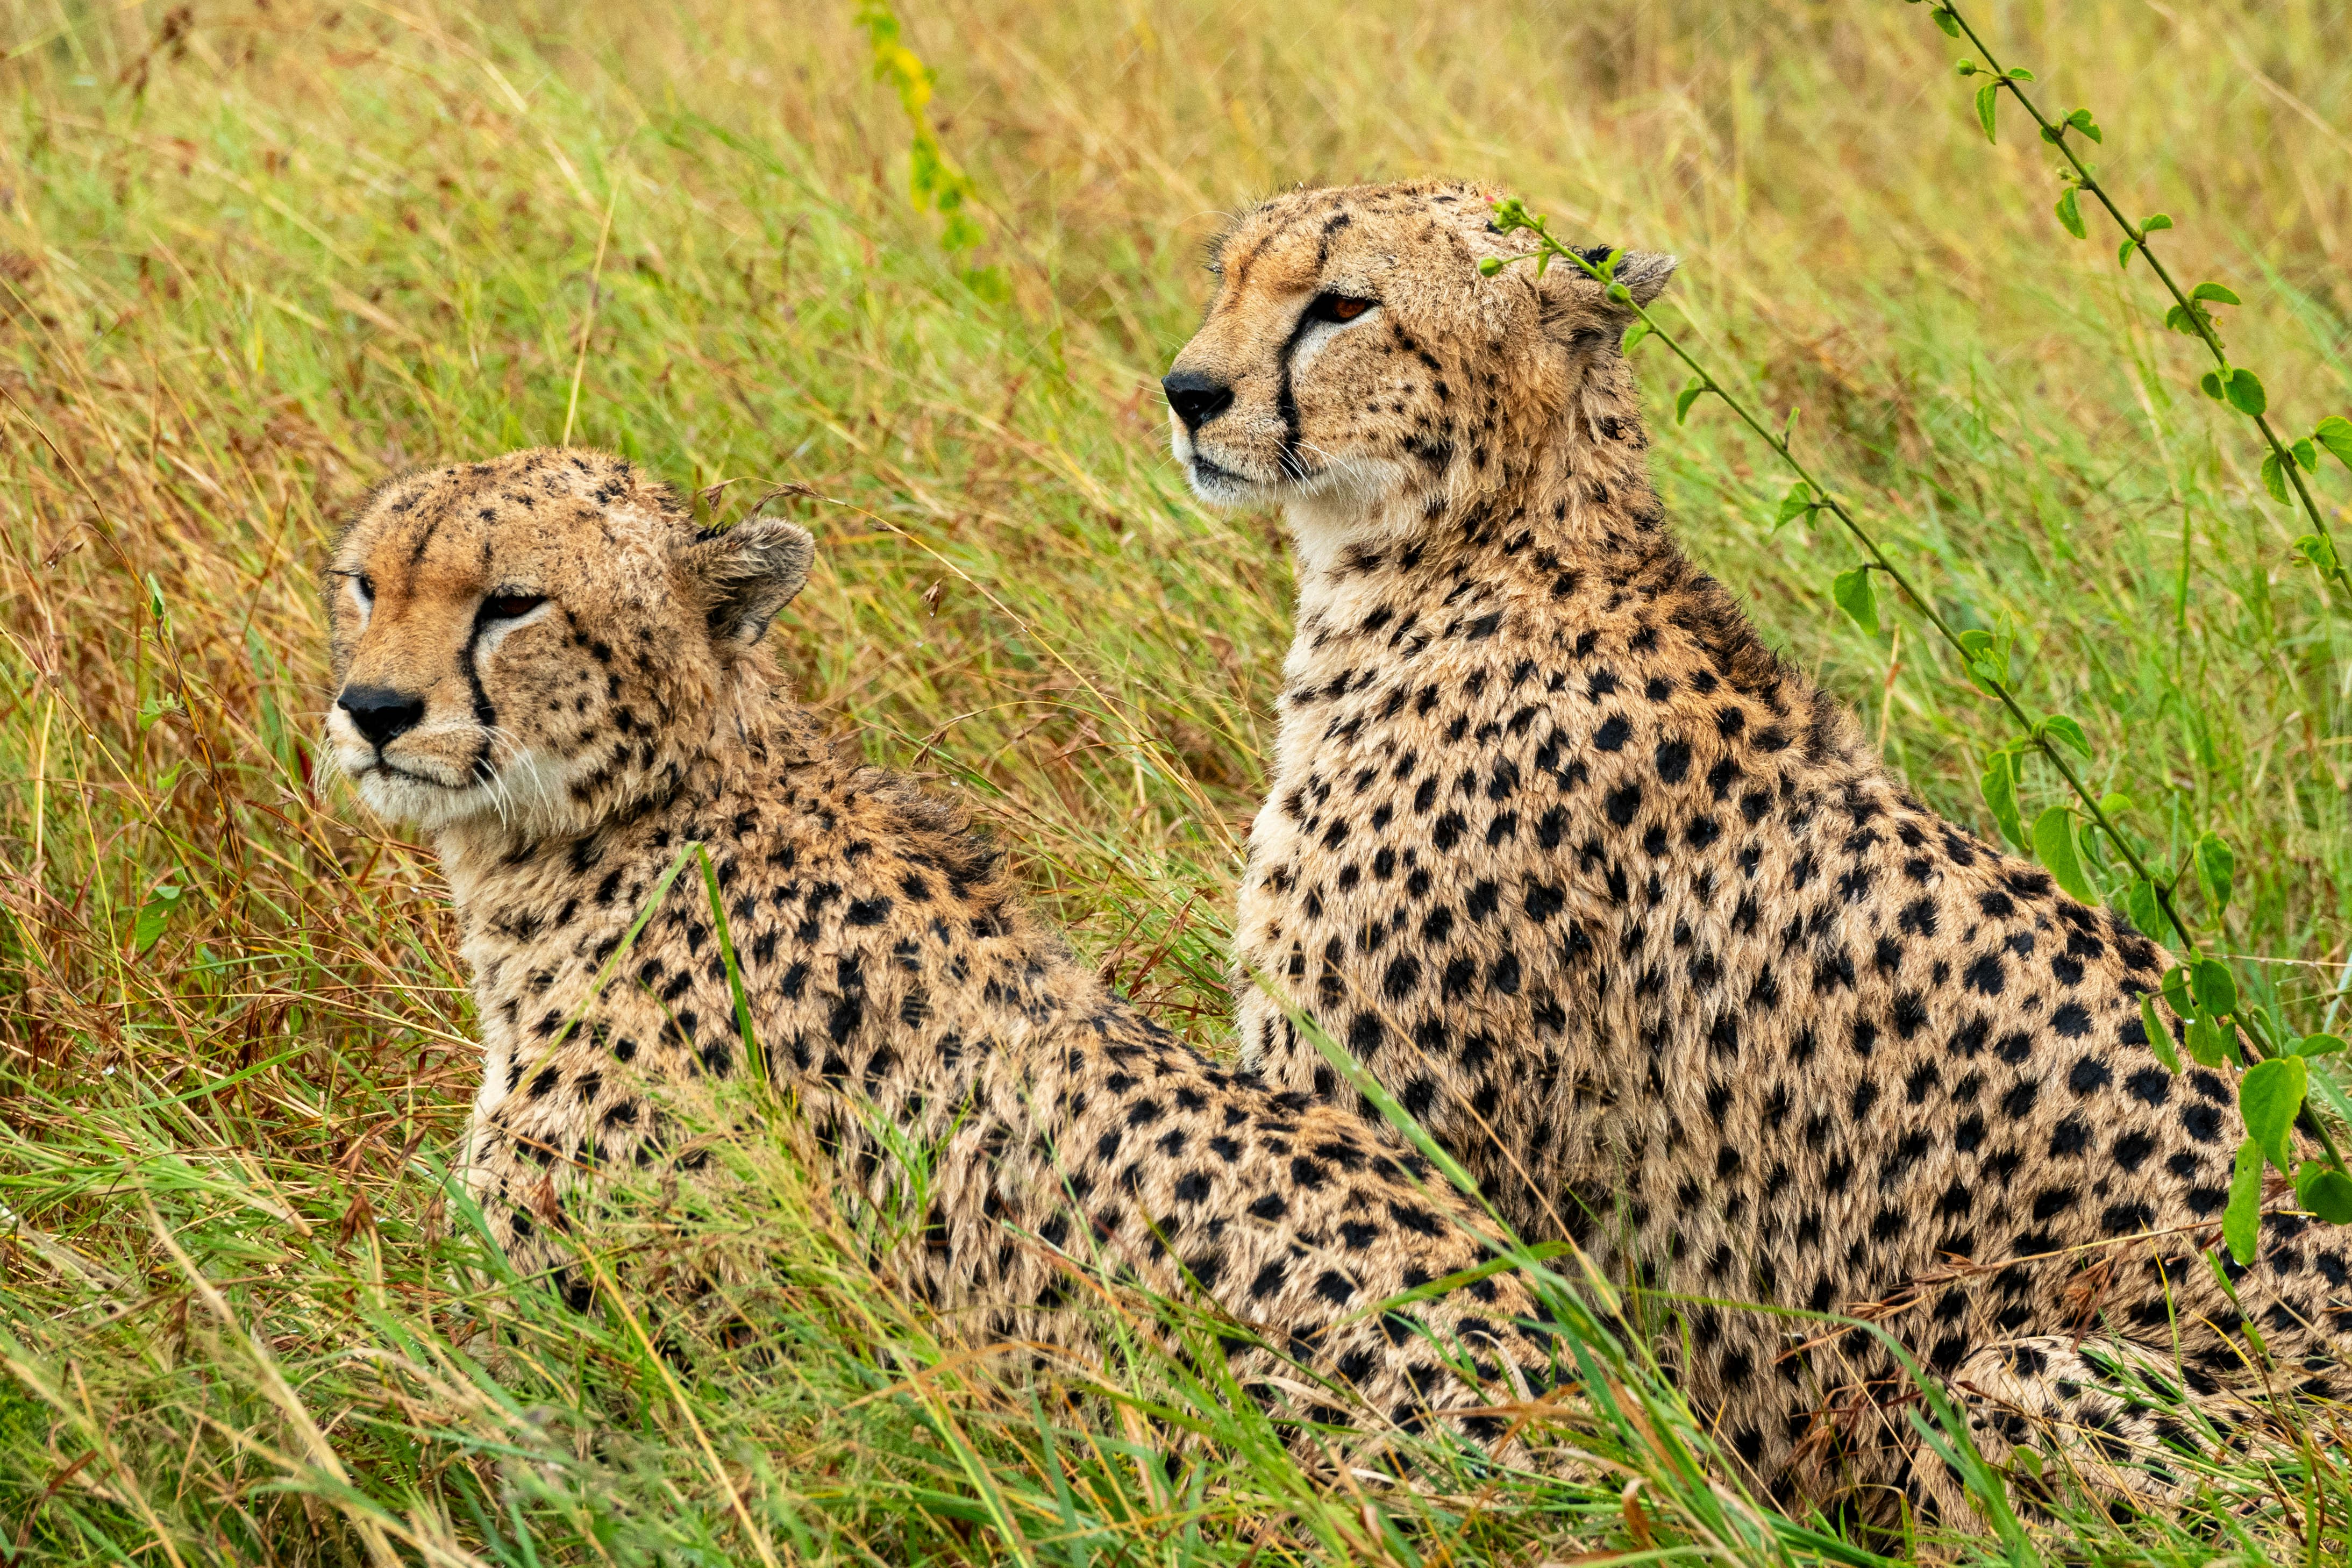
(2201, 989)
(2190, 315)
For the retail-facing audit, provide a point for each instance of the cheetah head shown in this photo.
(1353, 356)
(540, 639)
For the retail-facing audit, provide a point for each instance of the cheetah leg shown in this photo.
(2097, 1410)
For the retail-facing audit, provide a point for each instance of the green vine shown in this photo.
(2200, 989)
(2272, 1094)
(2191, 315)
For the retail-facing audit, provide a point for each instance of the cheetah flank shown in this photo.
(539, 660)
(1626, 911)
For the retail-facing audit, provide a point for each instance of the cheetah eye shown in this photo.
(1336, 308)
(366, 586)
(508, 607)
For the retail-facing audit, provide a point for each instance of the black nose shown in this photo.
(380, 712)
(1196, 398)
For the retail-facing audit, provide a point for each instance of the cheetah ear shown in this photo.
(1645, 273)
(750, 571)
(1575, 303)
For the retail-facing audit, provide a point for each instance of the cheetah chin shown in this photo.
(549, 640)
(1626, 910)
(519, 789)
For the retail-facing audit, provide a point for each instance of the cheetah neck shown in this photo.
(1573, 485)
(1456, 660)
(1574, 532)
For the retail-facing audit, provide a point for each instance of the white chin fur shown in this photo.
(527, 793)
(1223, 488)
(1338, 486)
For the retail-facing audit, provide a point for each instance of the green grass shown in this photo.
(249, 265)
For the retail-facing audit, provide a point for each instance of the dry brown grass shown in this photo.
(254, 257)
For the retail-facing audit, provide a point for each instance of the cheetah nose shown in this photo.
(380, 713)
(1195, 397)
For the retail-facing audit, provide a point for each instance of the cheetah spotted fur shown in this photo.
(541, 661)
(1626, 911)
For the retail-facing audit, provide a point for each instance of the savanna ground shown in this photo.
(255, 256)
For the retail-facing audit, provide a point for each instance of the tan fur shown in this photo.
(901, 996)
(1624, 909)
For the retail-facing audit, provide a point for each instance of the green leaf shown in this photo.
(1986, 660)
(2273, 478)
(2334, 433)
(2070, 216)
(2241, 1221)
(2210, 384)
(2268, 1096)
(2213, 292)
(1946, 20)
(2081, 119)
(2246, 393)
(1851, 590)
(2318, 1045)
(2324, 1191)
(1985, 97)
(2306, 455)
(2319, 550)
(2159, 1038)
(2215, 867)
(2053, 846)
(1633, 336)
(2123, 252)
(2153, 221)
(2175, 986)
(1798, 502)
(2216, 987)
(2211, 1042)
(2182, 319)
(1999, 784)
(154, 914)
(1685, 397)
(2115, 803)
(2061, 728)
(2140, 903)
(2019, 73)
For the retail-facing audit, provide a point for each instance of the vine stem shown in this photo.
(2054, 132)
(1515, 216)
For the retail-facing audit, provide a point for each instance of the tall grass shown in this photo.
(253, 256)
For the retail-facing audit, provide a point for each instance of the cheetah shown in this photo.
(1624, 910)
(541, 662)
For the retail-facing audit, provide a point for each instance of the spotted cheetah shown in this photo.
(541, 661)
(1624, 910)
